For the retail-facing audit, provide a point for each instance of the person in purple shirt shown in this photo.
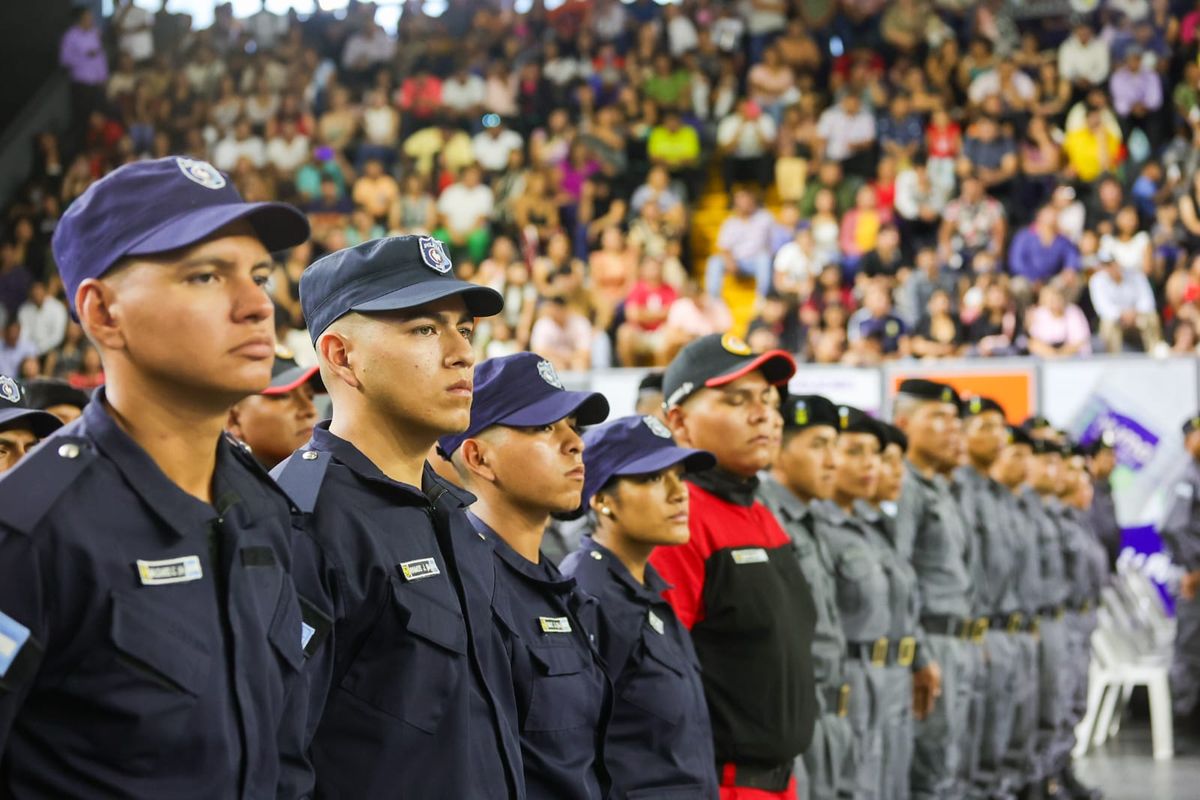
(743, 244)
(81, 53)
(1039, 251)
(1137, 96)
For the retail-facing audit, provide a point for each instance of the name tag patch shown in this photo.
(554, 624)
(655, 622)
(13, 636)
(421, 568)
(170, 570)
(751, 555)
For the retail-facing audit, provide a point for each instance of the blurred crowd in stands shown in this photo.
(893, 179)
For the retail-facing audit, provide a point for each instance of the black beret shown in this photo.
(894, 435)
(853, 420)
(1036, 422)
(1019, 436)
(808, 410)
(1192, 424)
(1107, 440)
(975, 405)
(46, 392)
(929, 390)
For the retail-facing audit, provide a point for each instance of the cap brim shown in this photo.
(277, 225)
(481, 301)
(293, 378)
(40, 423)
(588, 408)
(667, 457)
(777, 366)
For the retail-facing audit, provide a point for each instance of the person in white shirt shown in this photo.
(1083, 59)
(1129, 246)
(847, 135)
(135, 30)
(798, 263)
(681, 31)
(1015, 89)
(43, 319)
(462, 94)
(1124, 304)
(746, 137)
(493, 146)
(242, 143)
(288, 150)
(464, 209)
(368, 49)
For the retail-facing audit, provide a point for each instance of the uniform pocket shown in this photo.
(287, 633)
(154, 644)
(692, 791)
(413, 662)
(658, 687)
(562, 695)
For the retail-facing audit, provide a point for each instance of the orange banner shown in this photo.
(1012, 389)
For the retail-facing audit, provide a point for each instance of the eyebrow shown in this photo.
(221, 263)
(441, 316)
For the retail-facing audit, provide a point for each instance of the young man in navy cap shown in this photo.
(21, 427)
(278, 420)
(1181, 534)
(415, 696)
(521, 456)
(161, 655)
(736, 583)
(56, 397)
(801, 477)
(931, 534)
(659, 741)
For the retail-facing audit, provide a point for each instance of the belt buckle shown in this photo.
(965, 629)
(907, 651)
(843, 705)
(1035, 626)
(1085, 606)
(879, 652)
(1015, 621)
(979, 628)
(1060, 612)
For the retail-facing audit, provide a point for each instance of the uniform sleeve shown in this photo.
(23, 626)
(682, 566)
(908, 516)
(1179, 532)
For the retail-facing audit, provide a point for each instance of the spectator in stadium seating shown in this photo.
(1083, 58)
(81, 53)
(1092, 150)
(1137, 96)
(676, 147)
(829, 177)
(847, 135)
(288, 149)
(43, 319)
(338, 126)
(743, 245)
(885, 259)
(746, 138)
(939, 333)
(494, 145)
(15, 280)
(462, 95)
(1129, 245)
(1124, 304)
(367, 50)
(971, 223)
(860, 228)
(562, 336)
(874, 330)
(797, 264)
(1039, 252)
(927, 277)
(693, 315)
(613, 270)
(375, 191)
(464, 212)
(640, 338)
(1057, 328)
(380, 131)
(776, 327)
(239, 143)
(657, 191)
(900, 131)
(991, 155)
(559, 273)
(995, 331)
(15, 347)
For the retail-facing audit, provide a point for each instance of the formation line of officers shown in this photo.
(780, 597)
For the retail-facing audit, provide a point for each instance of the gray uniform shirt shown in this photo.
(1025, 592)
(862, 584)
(982, 502)
(903, 599)
(931, 534)
(1044, 513)
(1181, 527)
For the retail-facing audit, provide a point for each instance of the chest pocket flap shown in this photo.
(854, 565)
(557, 660)
(441, 626)
(157, 641)
(662, 652)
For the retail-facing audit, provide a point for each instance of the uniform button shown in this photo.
(310, 455)
(481, 536)
(69, 451)
(597, 555)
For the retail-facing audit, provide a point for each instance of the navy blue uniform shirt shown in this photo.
(150, 643)
(659, 741)
(563, 693)
(416, 692)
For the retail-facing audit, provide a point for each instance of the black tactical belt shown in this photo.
(875, 653)
(757, 776)
(836, 699)
(948, 625)
(1052, 612)
(903, 651)
(1083, 608)
(1016, 622)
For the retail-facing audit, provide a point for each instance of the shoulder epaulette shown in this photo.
(301, 476)
(29, 490)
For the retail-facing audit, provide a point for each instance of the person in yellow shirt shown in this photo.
(450, 146)
(677, 147)
(375, 191)
(1092, 150)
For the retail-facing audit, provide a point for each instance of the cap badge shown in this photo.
(549, 374)
(434, 255)
(843, 417)
(201, 172)
(801, 413)
(976, 405)
(735, 345)
(679, 394)
(947, 395)
(9, 389)
(656, 426)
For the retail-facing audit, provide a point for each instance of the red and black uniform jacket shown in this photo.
(739, 589)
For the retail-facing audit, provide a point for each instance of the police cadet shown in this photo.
(278, 420)
(737, 583)
(986, 435)
(1054, 687)
(895, 702)
(57, 397)
(149, 630)
(659, 741)
(1101, 461)
(522, 456)
(931, 533)
(415, 687)
(21, 425)
(863, 590)
(802, 477)
(649, 396)
(1023, 598)
(1181, 535)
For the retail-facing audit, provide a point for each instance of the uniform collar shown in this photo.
(725, 485)
(349, 456)
(651, 591)
(783, 498)
(867, 512)
(834, 513)
(543, 573)
(184, 514)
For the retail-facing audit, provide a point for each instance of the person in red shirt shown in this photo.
(736, 583)
(646, 310)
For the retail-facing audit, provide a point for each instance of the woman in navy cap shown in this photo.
(659, 740)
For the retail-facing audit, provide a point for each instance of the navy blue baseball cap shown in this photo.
(523, 391)
(634, 446)
(389, 274)
(14, 413)
(150, 207)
